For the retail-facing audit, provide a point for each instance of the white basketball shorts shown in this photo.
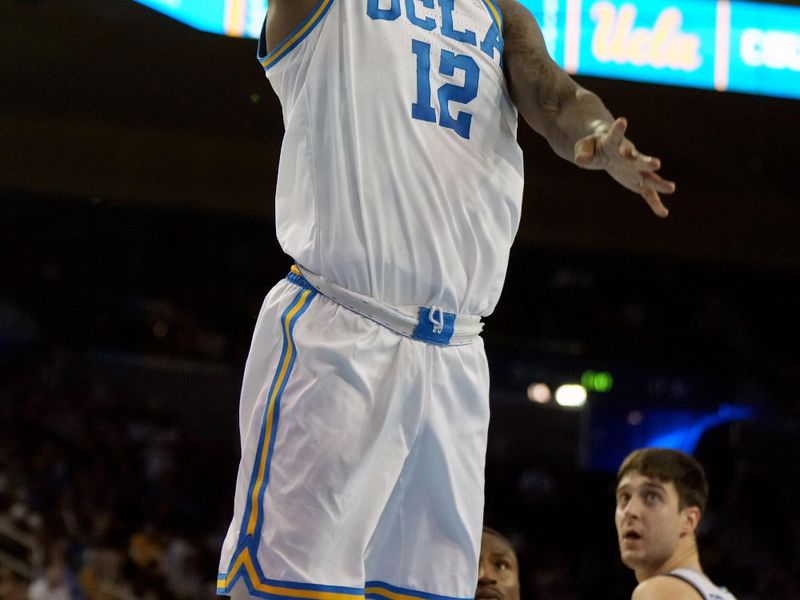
(362, 459)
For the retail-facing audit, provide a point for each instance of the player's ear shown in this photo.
(690, 519)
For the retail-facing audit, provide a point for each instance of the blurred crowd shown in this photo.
(109, 495)
(99, 499)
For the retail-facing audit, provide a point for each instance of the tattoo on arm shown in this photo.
(550, 101)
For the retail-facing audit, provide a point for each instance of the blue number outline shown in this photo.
(423, 109)
(465, 94)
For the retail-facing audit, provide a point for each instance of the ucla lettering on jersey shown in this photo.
(400, 174)
(430, 15)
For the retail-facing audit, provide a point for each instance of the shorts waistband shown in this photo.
(425, 323)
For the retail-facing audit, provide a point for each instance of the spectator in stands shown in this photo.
(661, 495)
(498, 568)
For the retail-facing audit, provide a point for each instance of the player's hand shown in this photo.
(609, 149)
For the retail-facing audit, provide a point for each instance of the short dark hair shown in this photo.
(670, 466)
(501, 537)
(497, 534)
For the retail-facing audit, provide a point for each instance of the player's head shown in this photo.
(498, 570)
(661, 495)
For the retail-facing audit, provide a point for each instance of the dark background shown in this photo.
(137, 166)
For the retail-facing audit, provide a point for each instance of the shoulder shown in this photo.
(511, 10)
(300, 4)
(283, 16)
(665, 587)
(291, 8)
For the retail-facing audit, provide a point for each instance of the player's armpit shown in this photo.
(283, 16)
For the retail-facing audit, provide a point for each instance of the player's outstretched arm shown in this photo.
(283, 16)
(574, 121)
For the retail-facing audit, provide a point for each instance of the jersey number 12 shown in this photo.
(423, 109)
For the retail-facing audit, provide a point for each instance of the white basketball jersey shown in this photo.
(702, 584)
(400, 174)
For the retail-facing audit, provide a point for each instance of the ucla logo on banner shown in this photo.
(663, 45)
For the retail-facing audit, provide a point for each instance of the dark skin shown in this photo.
(572, 119)
(283, 16)
(498, 569)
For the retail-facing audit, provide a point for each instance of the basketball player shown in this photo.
(661, 495)
(498, 568)
(364, 405)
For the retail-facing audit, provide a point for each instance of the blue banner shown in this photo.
(764, 49)
(722, 45)
(709, 44)
(238, 18)
(200, 14)
(653, 41)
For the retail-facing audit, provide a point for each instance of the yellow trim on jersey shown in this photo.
(287, 359)
(246, 561)
(287, 44)
(389, 593)
(498, 15)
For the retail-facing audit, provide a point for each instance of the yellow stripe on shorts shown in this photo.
(264, 451)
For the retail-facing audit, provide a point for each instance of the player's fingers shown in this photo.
(641, 162)
(661, 185)
(616, 133)
(647, 163)
(653, 200)
(586, 151)
(628, 150)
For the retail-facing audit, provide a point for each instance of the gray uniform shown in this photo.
(704, 586)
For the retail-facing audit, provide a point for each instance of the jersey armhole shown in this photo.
(497, 14)
(687, 581)
(270, 59)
